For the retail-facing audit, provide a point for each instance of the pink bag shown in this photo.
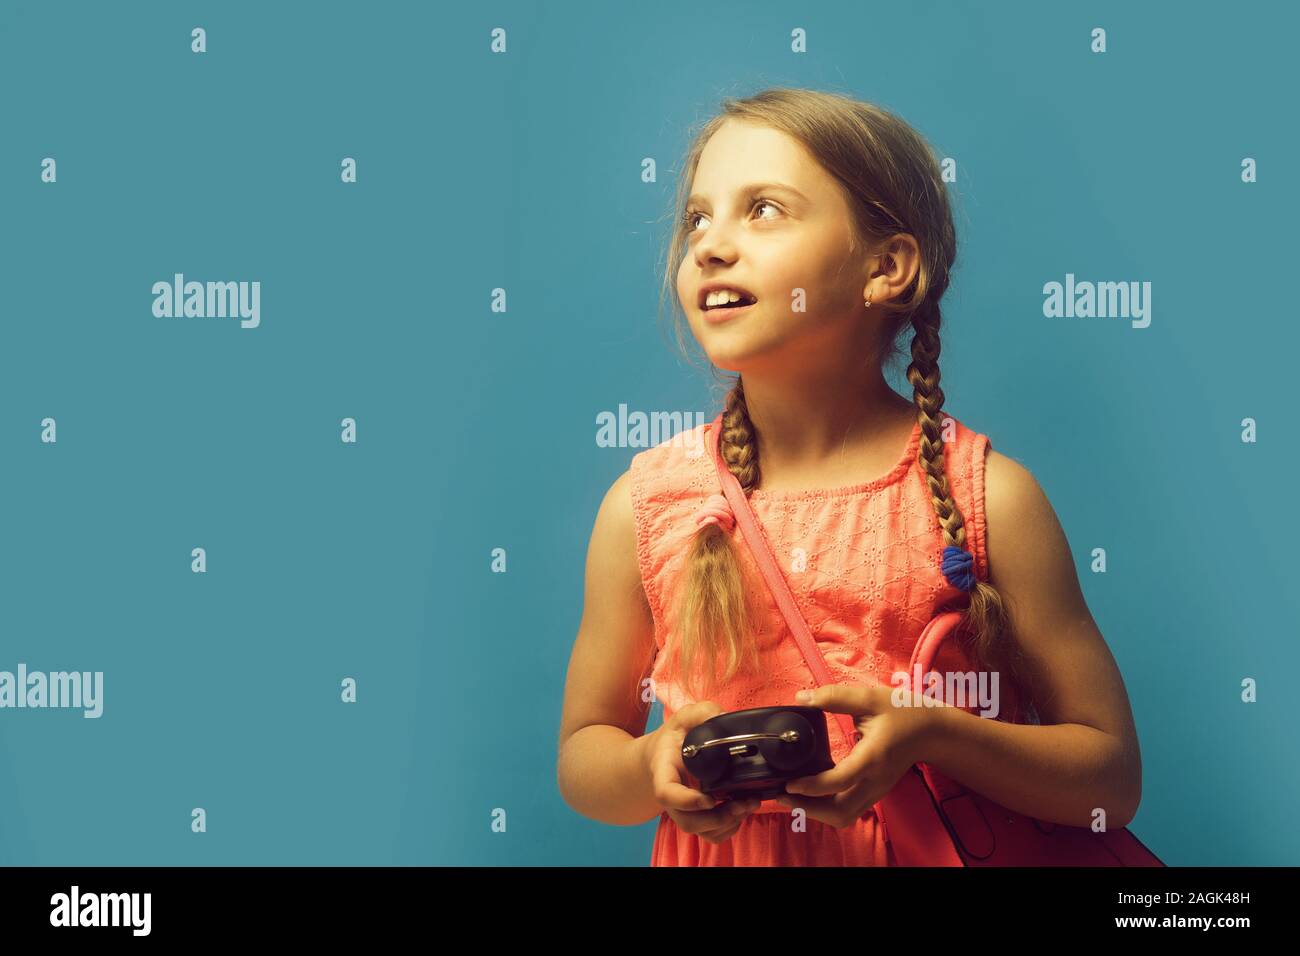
(930, 819)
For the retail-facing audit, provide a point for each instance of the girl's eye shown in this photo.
(692, 215)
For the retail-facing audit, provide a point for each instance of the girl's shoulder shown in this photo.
(679, 462)
(1014, 501)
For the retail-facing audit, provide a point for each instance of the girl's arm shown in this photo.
(602, 768)
(1089, 755)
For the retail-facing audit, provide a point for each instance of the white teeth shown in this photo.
(720, 297)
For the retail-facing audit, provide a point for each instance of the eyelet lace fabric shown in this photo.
(863, 562)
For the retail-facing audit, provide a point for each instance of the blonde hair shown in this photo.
(893, 185)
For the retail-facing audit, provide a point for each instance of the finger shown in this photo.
(693, 714)
(724, 833)
(722, 836)
(855, 765)
(670, 771)
(727, 815)
(669, 777)
(841, 698)
(676, 796)
(817, 808)
(839, 810)
(673, 794)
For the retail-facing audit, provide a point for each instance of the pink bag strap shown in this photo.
(940, 628)
(917, 831)
(766, 559)
(927, 647)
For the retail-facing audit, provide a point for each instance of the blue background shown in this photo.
(477, 429)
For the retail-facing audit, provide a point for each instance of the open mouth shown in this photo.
(727, 313)
(744, 300)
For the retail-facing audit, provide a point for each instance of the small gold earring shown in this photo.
(868, 303)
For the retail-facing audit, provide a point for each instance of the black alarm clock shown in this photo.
(750, 754)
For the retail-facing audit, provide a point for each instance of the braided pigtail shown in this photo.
(714, 616)
(986, 622)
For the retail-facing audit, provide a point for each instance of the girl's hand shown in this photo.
(692, 810)
(892, 738)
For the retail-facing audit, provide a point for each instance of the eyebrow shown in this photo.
(751, 189)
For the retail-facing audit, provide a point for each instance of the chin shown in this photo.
(732, 358)
(733, 348)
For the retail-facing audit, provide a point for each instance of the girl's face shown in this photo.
(765, 218)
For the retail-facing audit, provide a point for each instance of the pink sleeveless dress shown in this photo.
(864, 564)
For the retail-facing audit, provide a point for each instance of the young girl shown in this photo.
(817, 230)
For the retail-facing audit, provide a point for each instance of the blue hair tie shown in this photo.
(959, 567)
